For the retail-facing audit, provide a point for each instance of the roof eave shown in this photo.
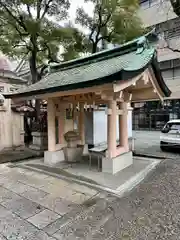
(157, 72)
(122, 75)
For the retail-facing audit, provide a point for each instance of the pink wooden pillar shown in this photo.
(81, 126)
(51, 126)
(61, 125)
(112, 129)
(123, 127)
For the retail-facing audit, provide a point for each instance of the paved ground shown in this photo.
(32, 204)
(37, 206)
(148, 142)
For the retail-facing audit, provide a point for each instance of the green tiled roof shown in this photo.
(119, 63)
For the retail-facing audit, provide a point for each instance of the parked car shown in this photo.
(170, 135)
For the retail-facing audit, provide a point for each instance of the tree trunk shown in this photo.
(34, 77)
(104, 42)
(94, 48)
(33, 67)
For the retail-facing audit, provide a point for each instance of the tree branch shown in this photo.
(29, 11)
(19, 21)
(46, 8)
(107, 20)
(91, 34)
(99, 25)
(21, 35)
(50, 56)
(108, 38)
(39, 8)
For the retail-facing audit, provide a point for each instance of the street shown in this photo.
(148, 142)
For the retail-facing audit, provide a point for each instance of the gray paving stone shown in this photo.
(33, 181)
(79, 198)
(54, 188)
(41, 236)
(14, 228)
(2, 238)
(58, 205)
(23, 207)
(3, 179)
(82, 189)
(16, 187)
(98, 214)
(6, 195)
(74, 214)
(43, 218)
(4, 212)
(34, 194)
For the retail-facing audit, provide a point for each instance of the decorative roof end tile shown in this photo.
(142, 44)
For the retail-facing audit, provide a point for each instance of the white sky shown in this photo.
(88, 7)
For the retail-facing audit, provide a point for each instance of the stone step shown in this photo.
(84, 224)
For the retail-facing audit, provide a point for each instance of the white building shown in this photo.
(158, 14)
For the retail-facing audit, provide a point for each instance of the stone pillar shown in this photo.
(111, 132)
(81, 125)
(51, 126)
(123, 126)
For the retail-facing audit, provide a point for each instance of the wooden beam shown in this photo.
(118, 112)
(121, 85)
(143, 94)
(154, 83)
(67, 93)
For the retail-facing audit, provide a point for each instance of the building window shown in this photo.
(1, 88)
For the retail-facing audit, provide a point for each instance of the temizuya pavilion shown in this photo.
(113, 77)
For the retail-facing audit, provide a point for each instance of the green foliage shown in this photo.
(31, 27)
(113, 21)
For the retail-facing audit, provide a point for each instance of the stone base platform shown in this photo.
(117, 164)
(52, 158)
(118, 183)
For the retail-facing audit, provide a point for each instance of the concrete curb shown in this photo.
(119, 192)
(155, 156)
(134, 181)
(148, 155)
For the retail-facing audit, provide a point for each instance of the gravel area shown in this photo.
(151, 211)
